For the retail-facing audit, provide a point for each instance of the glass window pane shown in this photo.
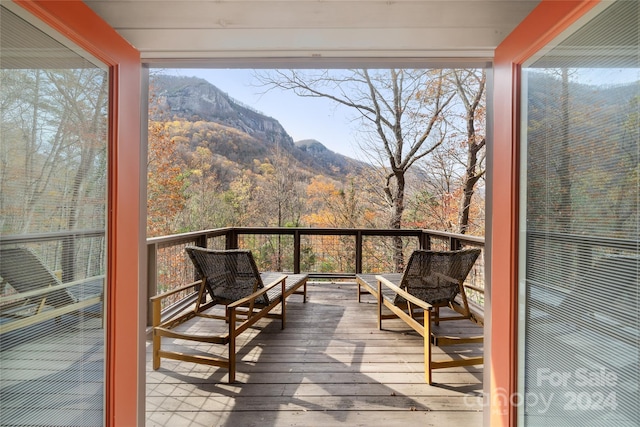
(53, 178)
(579, 289)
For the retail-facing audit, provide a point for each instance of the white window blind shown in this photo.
(579, 307)
(53, 178)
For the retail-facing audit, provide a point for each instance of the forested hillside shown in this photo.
(594, 168)
(214, 162)
(206, 116)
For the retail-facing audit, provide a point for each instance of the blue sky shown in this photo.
(302, 118)
(323, 120)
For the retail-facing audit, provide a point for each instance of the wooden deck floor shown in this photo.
(330, 366)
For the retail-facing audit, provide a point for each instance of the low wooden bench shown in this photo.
(240, 314)
(389, 291)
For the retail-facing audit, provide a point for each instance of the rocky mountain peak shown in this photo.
(194, 99)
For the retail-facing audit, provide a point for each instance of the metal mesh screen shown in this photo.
(271, 252)
(379, 253)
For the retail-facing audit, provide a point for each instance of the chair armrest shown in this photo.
(175, 291)
(257, 293)
(404, 294)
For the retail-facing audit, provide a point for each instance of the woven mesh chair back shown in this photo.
(230, 274)
(422, 276)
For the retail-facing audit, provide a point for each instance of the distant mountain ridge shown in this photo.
(195, 100)
(319, 156)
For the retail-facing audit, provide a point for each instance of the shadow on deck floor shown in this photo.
(330, 366)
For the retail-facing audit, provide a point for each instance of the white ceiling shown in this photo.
(205, 31)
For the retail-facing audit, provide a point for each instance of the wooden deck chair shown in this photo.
(38, 294)
(229, 278)
(431, 279)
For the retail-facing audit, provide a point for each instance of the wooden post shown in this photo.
(201, 241)
(358, 252)
(296, 251)
(232, 239)
(152, 278)
(454, 244)
(68, 261)
(427, 241)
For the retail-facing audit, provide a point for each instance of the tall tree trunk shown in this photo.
(396, 220)
(471, 178)
(474, 169)
(89, 134)
(564, 158)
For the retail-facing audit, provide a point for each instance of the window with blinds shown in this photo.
(53, 178)
(579, 254)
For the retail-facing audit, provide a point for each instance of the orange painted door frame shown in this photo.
(77, 22)
(543, 24)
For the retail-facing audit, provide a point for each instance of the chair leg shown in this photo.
(155, 321)
(156, 351)
(465, 302)
(283, 309)
(231, 315)
(304, 295)
(427, 348)
(436, 315)
(42, 303)
(379, 305)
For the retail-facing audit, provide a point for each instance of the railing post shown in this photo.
(454, 244)
(358, 252)
(296, 251)
(68, 262)
(425, 242)
(201, 241)
(232, 239)
(152, 278)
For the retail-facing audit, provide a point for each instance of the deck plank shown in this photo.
(330, 366)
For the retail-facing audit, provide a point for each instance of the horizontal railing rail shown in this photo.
(323, 253)
(48, 237)
(75, 254)
(587, 241)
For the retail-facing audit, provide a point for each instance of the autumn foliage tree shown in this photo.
(470, 85)
(280, 195)
(200, 211)
(422, 133)
(336, 205)
(401, 112)
(165, 184)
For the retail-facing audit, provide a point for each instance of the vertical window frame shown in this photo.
(126, 300)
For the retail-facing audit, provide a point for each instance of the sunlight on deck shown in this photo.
(330, 366)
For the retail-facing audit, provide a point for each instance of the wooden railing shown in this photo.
(323, 253)
(75, 254)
